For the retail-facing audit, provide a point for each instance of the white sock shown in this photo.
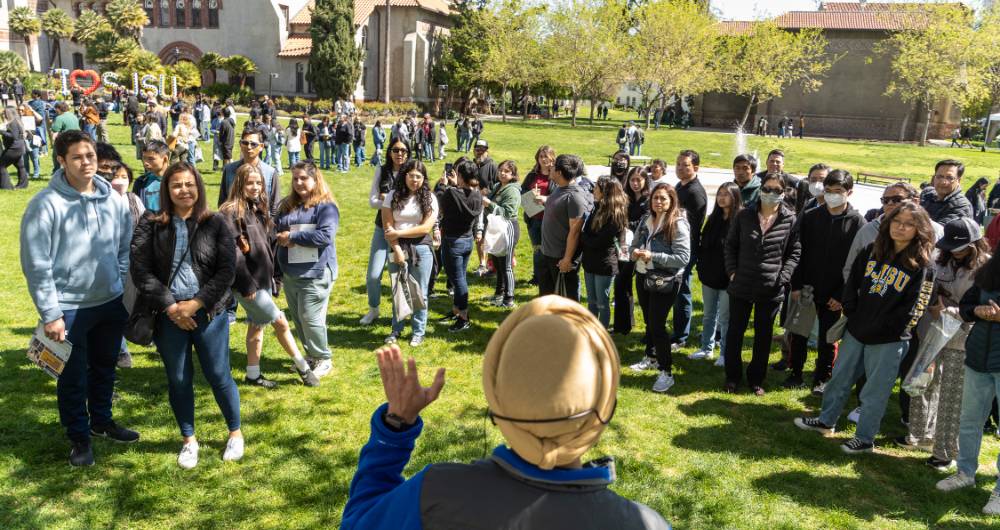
(300, 362)
(253, 371)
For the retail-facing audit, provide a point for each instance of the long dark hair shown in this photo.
(988, 276)
(671, 215)
(613, 206)
(200, 212)
(401, 192)
(646, 184)
(387, 173)
(979, 252)
(718, 215)
(917, 253)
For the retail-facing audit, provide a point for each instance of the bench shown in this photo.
(884, 180)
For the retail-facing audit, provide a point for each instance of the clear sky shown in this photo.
(756, 9)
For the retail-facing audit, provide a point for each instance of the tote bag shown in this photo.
(495, 241)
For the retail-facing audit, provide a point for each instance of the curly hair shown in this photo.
(401, 192)
(917, 253)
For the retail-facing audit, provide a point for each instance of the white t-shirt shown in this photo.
(409, 215)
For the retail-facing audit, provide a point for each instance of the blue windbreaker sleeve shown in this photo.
(327, 221)
(380, 498)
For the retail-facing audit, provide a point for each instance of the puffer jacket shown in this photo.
(946, 210)
(763, 263)
(982, 348)
(213, 258)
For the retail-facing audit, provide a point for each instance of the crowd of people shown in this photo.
(105, 254)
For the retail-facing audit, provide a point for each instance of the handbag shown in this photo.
(142, 319)
(661, 281)
(836, 331)
(242, 240)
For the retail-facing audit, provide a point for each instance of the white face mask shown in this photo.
(816, 188)
(770, 199)
(835, 200)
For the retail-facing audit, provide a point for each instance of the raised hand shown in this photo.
(406, 396)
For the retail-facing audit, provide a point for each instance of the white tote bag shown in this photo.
(495, 241)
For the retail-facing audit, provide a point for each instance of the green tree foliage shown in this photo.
(462, 54)
(240, 67)
(764, 62)
(188, 75)
(335, 61)
(12, 66)
(936, 59)
(57, 25)
(512, 47)
(24, 22)
(211, 62)
(88, 26)
(112, 51)
(128, 18)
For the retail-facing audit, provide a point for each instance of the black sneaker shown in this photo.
(460, 325)
(81, 454)
(855, 446)
(939, 465)
(793, 381)
(261, 381)
(813, 424)
(115, 433)
(308, 377)
(448, 318)
(508, 304)
(780, 366)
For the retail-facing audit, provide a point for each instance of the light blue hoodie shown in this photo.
(74, 247)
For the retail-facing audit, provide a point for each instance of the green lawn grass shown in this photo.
(702, 458)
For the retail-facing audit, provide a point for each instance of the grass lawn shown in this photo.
(702, 458)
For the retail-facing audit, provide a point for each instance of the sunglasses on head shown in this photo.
(892, 200)
(248, 143)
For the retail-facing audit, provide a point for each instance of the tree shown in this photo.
(112, 51)
(764, 62)
(24, 22)
(12, 66)
(239, 66)
(210, 62)
(512, 49)
(462, 56)
(88, 26)
(585, 49)
(188, 75)
(335, 61)
(671, 51)
(934, 59)
(57, 25)
(128, 18)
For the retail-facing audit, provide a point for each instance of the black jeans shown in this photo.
(550, 275)
(824, 359)
(14, 157)
(763, 329)
(658, 307)
(624, 299)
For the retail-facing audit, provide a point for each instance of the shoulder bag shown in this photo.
(142, 319)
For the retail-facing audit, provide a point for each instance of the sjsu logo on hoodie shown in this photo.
(886, 277)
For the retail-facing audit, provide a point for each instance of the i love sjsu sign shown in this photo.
(147, 83)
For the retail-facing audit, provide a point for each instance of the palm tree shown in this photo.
(23, 21)
(88, 26)
(56, 25)
(128, 18)
(11, 66)
(210, 62)
(239, 66)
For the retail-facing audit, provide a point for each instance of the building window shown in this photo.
(181, 20)
(364, 38)
(148, 6)
(164, 13)
(300, 79)
(78, 61)
(213, 13)
(195, 13)
(288, 19)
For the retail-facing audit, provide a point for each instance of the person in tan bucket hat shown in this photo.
(551, 400)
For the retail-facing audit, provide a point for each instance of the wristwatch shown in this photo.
(394, 422)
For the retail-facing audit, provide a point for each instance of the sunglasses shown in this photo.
(248, 143)
(399, 151)
(892, 200)
(772, 191)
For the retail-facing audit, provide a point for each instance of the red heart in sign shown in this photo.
(94, 77)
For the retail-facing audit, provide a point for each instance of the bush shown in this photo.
(393, 108)
(224, 91)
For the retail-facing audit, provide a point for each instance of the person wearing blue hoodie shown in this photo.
(75, 238)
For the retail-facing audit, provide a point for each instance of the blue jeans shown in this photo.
(83, 391)
(977, 398)
(293, 158)
(376, 159)
(192, 153)
(535, 235)
(683, 306)
(31, 160)
(422, 272)
(599, 296)
(879, 363)
(274, 157)
(428, 151)
(715, 316)
(211, 342)
(90, 130)
(378, 256)
(325, 154)
(344, 157)
(455, 252)
(359, 155)
(204, 128)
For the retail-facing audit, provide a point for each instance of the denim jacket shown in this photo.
(672, 255)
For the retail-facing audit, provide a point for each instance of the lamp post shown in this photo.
(271, 77)
(177, 54)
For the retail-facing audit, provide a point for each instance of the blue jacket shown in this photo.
(326, 217)
(74, 247)
(504, 491)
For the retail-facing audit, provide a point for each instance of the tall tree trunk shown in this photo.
(27, 52)
(54, 54)
(927, 125)
(524, 105)
(746, 113)
(503, 102)
(576, 100)
(591, 110)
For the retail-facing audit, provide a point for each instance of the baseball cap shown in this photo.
(959, 234)
(482, 143)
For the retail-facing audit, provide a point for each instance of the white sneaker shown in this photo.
(855, 415)
(993, 506)
(369, 317)
(188, 457)
(647, 363)
(663, 382)
(124, 359)
(957, 481)
(322, 367)
(699, 355)
(721, 361)
(234, 449)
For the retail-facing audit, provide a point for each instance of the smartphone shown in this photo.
(447, 168)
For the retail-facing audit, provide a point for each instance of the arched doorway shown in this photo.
(185, 51)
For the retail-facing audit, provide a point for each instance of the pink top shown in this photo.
(766, 222)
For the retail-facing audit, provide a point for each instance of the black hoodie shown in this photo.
(459, 209)
(826, 240)
(883, 300)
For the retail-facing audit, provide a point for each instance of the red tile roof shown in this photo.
(736, 27)
(296, 47)
(862, 20)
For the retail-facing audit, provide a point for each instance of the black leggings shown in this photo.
(13, 157)
(624, 300)
(505, 264)
(657, 308)
(763, 330)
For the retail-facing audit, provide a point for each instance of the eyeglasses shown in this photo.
(892, 200)
(248, 143)
(399, 151)
(946, 178)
